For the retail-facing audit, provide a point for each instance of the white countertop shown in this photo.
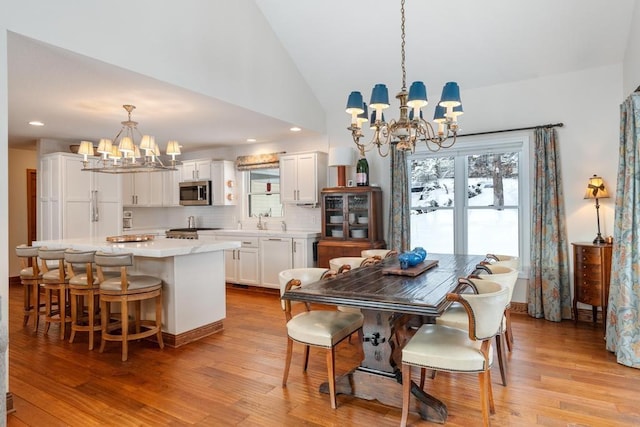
(158, 248)
(261, 233)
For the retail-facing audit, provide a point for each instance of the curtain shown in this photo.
(549, 293)
(623, 319)
(399, 223)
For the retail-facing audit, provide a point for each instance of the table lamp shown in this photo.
(341, 157)
(597, 190)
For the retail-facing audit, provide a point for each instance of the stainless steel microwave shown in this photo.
(195, 193)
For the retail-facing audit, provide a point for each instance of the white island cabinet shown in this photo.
(264, 253)
(192, 271)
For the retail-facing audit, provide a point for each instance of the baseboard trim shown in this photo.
(519, 308)
(10, 408)
(175, 341)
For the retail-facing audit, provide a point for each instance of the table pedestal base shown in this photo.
(387, 389)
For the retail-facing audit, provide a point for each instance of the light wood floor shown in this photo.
(560, 375)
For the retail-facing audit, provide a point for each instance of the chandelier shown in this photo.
(410, 127)
(123, 155)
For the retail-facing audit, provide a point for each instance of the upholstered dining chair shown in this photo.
(338, 264)
(444, 348)
(510, 261)
(123, 289)
(456, 316)
(382, 253)
(318, 328)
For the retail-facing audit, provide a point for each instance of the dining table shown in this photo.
(394, 303)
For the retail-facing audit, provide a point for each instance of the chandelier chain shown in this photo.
(404, 71)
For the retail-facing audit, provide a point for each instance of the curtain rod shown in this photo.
(550, 125)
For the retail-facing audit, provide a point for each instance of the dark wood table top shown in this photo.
(370, 288)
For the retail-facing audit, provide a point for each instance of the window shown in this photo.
(263, 193)
(471, 198)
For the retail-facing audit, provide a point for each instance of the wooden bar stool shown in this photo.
(83, 286)
(55, 282)
(124, 289)
(30, 277)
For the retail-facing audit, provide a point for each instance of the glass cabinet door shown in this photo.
(358, 216)
(334, 215)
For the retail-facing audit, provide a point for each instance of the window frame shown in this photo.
(517, 142)
(246, 185)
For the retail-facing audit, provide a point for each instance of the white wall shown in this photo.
(632, 58)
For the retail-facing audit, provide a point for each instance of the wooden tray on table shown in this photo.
(411, 271)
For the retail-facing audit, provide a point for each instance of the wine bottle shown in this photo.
(362, 171)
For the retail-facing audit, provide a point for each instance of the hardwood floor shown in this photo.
(559, 375)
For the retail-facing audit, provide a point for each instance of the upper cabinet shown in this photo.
(196, 170)
(302, 176)
(143, 189)
(223, 183)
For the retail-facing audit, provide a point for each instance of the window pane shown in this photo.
(432, 183)
(492, 231)
(493, 179)
(264, 193)
(433, 230)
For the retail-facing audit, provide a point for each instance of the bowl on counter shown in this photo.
(336, 219)
(358, 234)
(337, 233)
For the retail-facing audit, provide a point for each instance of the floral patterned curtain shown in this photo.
(549, 294)
(623, 317)
(399, 223)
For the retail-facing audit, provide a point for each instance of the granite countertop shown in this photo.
(157, 248)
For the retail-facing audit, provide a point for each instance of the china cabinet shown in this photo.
(351, 221)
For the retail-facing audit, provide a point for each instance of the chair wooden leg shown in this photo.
(48, 309)
(360, 343)
(484, 397)
(508, 332)
(406, 393)
(502, 358)
(331, 373)
(104, 322)
(62, 306)
(125, 330)
(306, 358)
(287, 362)
(159, 319)
(91, 313)
(492, 406)
(423, 373)
(27, 302)
(74, 317)
(36, 306)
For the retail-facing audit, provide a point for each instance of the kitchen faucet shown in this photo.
(191, 222)
(260, 224)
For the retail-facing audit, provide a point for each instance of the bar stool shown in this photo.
(30, 277)
(83, 284)
(55, 283)
(123, 289)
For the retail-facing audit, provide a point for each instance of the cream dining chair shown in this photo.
(456, 316)
(382, 253)
(444, 348)
(318, 328)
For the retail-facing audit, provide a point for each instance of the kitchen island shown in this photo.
(192, 271)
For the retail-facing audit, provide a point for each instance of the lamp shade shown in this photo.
(173, 148)
(450, 95)
(411, 115)
(374, 117)
(147, 143)
(86, 148)
(104, 146)
(126, 146)
(438, 115)
(115, 153)
(379, 97)
(596, 189)
(364, 116)
(355, 103)
(341, 156)
(417, 95)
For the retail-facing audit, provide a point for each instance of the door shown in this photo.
(306, 178)
(247, 264)
(288, 178)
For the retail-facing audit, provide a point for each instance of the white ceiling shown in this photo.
(338, 46)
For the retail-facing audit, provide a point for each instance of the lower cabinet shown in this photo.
(276, 255)
(242, 265)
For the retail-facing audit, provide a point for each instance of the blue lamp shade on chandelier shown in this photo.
(379, 97)
(417, 95)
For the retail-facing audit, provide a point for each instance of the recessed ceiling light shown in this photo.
(295, 129)
(251, 140)
(36, 123)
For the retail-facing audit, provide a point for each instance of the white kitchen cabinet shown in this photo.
(196, 170)
(276, 254)
(302, 176)
(76, 203)
(143, 189)
(302, 253)
(242, 265)
(223, 180)
(171, 187)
